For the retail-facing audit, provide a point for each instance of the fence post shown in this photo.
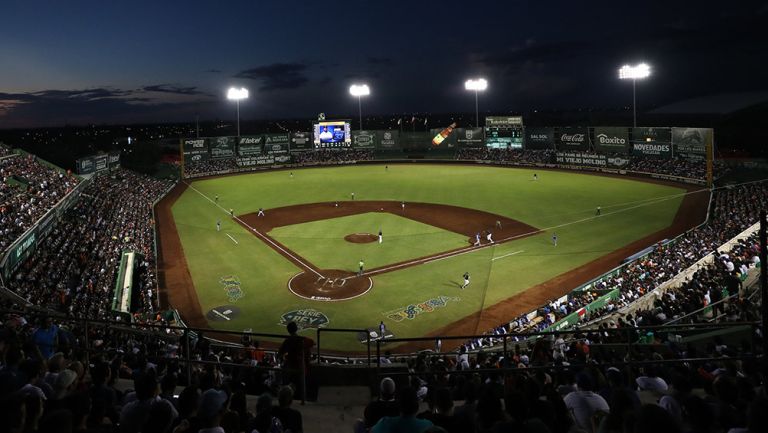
(187, 357)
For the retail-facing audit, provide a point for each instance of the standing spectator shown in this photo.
(46, 337)
(294, 354)
(384, 406)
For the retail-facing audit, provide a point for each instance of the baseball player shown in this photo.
(535, 176)
(498, 224)
(291, 175)
(231, 212)
(598, 211)
(361, 266)
(336, 204)
(353, 196)
(261, 213)
(466, 280)
(382, 329)
(218, 225)
(489, 237)
(402, 205)
(216, 198)
(554, 239)
(380, 238)
(386, 168)
(477, 239)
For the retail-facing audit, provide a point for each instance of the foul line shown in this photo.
(262, 236)
(233, 239)
(471, 249)
(507, 255)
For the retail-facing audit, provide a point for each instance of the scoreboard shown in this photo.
(504, 132)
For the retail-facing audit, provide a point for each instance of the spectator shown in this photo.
(289, 418)
(406, 422)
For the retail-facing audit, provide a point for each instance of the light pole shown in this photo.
(477, 85)
(360, 90)
(634, 73)
(236, 95)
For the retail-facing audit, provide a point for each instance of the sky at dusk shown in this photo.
(80, 62)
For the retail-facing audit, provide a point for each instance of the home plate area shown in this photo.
(329, 285)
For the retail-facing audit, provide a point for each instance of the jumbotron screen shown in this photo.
(332, 134)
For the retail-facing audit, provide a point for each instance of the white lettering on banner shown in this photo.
(604, 139)
(574, 138)
(195, 143)
(250, 140)
(652, 147)
(539, 137)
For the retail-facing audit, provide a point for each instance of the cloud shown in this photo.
(178, 90)
(277, 76)
(213, 71)
(379, 61)
(100, 105)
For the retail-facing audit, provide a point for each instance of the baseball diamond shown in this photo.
(304, 252)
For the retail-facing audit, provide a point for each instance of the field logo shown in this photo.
(232, 286)
(305, 319)
(411, 311)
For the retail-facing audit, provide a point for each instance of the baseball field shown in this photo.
(301, 259)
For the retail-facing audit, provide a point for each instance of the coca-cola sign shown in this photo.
(573, 139)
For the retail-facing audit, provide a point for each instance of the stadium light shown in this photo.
(634, 73)
(360, 90)
(236, 95)
(476, 85)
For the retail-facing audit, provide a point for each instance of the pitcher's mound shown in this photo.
(361, 238)
(330, 285)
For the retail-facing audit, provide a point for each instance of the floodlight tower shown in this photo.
(476, 85)
(236, 95)
(634, 73)
(360, 90)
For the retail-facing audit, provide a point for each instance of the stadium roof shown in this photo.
(723, 103)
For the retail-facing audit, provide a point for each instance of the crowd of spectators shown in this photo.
(733, 210)
(332, 156)
(28, 190)
(507, 156)
(211, 166)
(5, 150)
(681, 167)
(73, 269)
(49, 384)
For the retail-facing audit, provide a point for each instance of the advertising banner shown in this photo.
(692, 142)
(363, 139)
(301, 141)
(248, 146)
(222, 147)
(611, 140)
(101, 161)
(114, 159)
(469, 137)
(652, 142)
(581, 158)
(446, 142)
(539, 138)
(504, 121)
(573, 139)
(389, 139)
(195, 149)
(85, 165)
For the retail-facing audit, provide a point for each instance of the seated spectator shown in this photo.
(406, 422)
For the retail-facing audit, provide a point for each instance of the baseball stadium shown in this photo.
(383, 217)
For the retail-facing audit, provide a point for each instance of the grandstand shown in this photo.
(673, 337)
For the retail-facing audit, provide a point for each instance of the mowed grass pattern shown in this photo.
(561, 202)
(322, 242)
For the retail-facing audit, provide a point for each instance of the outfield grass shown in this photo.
(322, 242)
(561, 202)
